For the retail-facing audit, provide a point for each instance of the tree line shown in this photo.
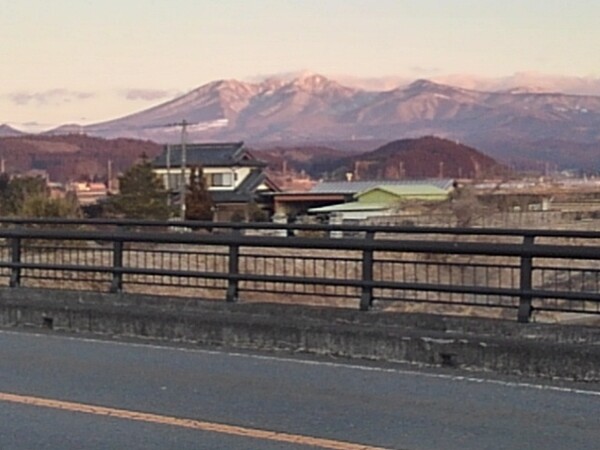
(142, 195)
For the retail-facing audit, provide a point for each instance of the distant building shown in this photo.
(38, 173)
(236, 180)
(89, 193)
(55, 190)
(384, 199)
(337, 194)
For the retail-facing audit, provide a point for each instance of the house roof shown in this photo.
(351, 207)
(399, 190)
(353, 187)
(219, 154)
(245, 192)
(409, 190)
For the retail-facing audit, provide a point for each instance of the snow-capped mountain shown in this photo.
(315, 107)
(312, 107)
(8, 131)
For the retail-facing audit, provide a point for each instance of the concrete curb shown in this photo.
(541, 350)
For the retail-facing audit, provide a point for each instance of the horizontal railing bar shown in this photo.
(449, 264)
(443, 288)
(308, 227)
(263, 278)
(438, 247)
(445, 302)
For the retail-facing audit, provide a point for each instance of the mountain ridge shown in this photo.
(227, 99)
(313, 107)
(8, 131)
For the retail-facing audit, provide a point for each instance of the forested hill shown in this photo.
(72, 157)
(424, 158)
(407, 158)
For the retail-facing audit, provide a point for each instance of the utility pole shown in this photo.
(109, 175)
(183, 168)
(168, 177)
(182, 182)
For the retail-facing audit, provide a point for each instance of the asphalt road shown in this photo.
(61, 392)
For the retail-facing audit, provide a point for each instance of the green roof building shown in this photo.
(381, 199)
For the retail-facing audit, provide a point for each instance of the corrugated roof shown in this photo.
(353, 187)
(411, 190)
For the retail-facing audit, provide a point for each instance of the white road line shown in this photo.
(305, 362)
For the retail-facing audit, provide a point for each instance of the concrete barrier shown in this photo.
(541, 350)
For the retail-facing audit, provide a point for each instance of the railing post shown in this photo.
(525, 307)
(232, 283)
(15, 272)
(117, 275)
(366, 298)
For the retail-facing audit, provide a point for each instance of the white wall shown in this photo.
(239, 174)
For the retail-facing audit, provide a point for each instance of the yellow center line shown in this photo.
(185, 423)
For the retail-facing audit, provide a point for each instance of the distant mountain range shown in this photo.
(79, 157)
(513, 125)
(8, 131)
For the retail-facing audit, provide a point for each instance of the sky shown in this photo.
(82, 61)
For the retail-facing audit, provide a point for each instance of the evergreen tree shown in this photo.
(15, 191)
(141, 194)
(41, 205)
(29, 197)
(198, 202)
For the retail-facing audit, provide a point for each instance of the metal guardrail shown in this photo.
(291, 227)
(362, 265)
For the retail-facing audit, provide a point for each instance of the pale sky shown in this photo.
(64, 61)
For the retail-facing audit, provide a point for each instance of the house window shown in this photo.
(221, 179)
(173, 181)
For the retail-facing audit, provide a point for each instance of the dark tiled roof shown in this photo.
(230, 197)
(224, 154)
(353, 187)
(245, 192)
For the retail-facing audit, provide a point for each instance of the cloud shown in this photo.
(419, 70)
(383, 83)
(536, 82)
(48, 97)
(285, 76)
(147, 94)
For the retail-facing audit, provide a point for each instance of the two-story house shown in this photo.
(235, 179)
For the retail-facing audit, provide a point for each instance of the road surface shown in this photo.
(63, 392)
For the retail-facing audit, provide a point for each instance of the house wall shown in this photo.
(362, 215)
(89, 193)
(238, 173)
